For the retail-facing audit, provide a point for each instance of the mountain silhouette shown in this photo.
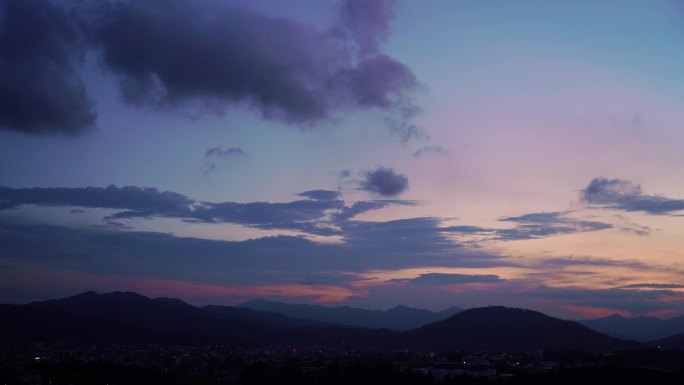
(125, 317)
(675, 341)
(638, 328)
(398, 318)
(130, 318)
(510, 329)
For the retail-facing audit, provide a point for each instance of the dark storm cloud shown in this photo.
(41, 92)
(384, 181)
(181, 52)
(439, 279)
(201, 56)
(170, 53)
(539, 225)
(621, 194)
(320, 195)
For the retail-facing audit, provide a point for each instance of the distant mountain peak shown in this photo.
(258, 301)
(498, 309)
(124, 295)
(451, 310)
(400, 317)
(172, 300)
(87, 294)
(401, 308)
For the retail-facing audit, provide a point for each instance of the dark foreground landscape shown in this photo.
(126, 338)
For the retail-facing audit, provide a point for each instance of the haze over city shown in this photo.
(362, 153)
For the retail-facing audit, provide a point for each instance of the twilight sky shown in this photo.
(361, 152)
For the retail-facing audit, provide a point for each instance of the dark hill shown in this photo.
(130, 318)
(507, 329)
(124, 317)
(672, 342)
(121, 317)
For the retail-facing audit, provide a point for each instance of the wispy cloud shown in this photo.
(268, 260)
(322, 213)
(440, 279)
(433, 149)
(218, 152)
(621, 194)
(595, 262)
(632, 301)
(321, 195)
(539, 225)
(652, 286)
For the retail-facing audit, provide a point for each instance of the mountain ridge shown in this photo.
(130, 318)
(639, 328)
(400, 317)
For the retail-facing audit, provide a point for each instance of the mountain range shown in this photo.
(130, 318)
(125, 317)
(638, 328)
(398, 318)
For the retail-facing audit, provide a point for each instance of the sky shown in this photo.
(367, 153)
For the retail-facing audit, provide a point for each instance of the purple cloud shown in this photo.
(439, 279)
(540, 225)
(142, 200)
(621, 194)
(384, 181)
(366, 22)
(322, 214)
(320, 195)
(200, 55)
(608, 191)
